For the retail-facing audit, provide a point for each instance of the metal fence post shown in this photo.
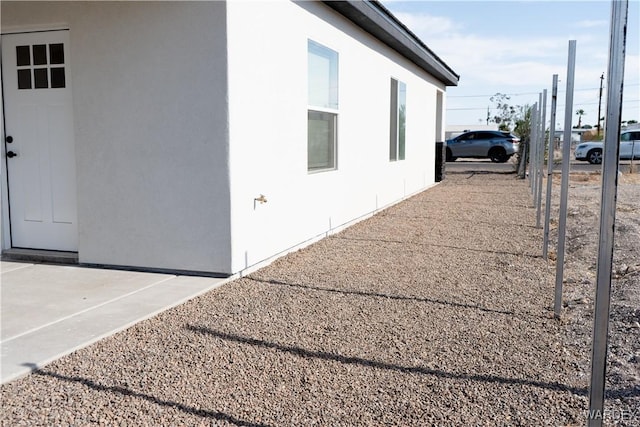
(610, 166)
(535, 124)
(551, 145)
(533, 144)
(564, 188)
(543, 119)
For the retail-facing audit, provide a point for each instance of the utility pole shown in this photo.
(600, 103)
(487, 115)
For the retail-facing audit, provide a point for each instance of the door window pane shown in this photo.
(39, 54)
(24, 79)
(23, 56)
(41, 80)
(56, 53)
(57, 77)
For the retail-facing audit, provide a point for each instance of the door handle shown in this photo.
(9, 139)
(11, 154)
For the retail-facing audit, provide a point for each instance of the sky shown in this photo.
(515, 48)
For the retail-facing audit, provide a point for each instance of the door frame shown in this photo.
(5, 216)
(4, 184)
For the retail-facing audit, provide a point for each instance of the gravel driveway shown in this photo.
(437, 311)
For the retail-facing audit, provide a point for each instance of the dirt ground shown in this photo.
(623, 368)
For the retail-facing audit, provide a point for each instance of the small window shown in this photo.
(397, 119)
(322, 111)
(34, 66)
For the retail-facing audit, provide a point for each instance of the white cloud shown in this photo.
(591, 23)
(503, 60)
(520, 64)
(508, 60)
(632, 69)
(425, 25)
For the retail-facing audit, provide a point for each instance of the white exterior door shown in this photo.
(39, 140)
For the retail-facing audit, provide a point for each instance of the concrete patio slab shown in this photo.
(49, 311)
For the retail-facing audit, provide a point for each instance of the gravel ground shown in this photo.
(437, 311)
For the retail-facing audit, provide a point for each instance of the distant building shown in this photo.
(576, 136)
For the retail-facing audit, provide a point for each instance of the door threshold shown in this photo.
(40, 256)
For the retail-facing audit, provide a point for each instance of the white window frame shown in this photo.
(331, 107)
(397, 124)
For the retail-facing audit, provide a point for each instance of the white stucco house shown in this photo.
(208, 137)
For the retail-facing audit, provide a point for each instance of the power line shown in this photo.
(531, 93)
(484, 96)
(559, 105)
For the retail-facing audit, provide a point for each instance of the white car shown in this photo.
(592, 151)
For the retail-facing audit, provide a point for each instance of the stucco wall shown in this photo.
(268, 127)
(149, 88)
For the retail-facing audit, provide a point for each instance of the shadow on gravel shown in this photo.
(625, 393)
(361, 239)
(304, 353)
(435, 219)
(220, 416)
(379, 295)
(471, 173)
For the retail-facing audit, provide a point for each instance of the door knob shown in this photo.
(11, 154)
(9, 139)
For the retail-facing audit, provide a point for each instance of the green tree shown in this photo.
(505, 112)
(523, 121)
(513, 118)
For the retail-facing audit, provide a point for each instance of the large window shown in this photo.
(322, 124)
(398, 119)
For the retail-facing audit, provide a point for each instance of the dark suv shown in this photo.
(483, 144)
